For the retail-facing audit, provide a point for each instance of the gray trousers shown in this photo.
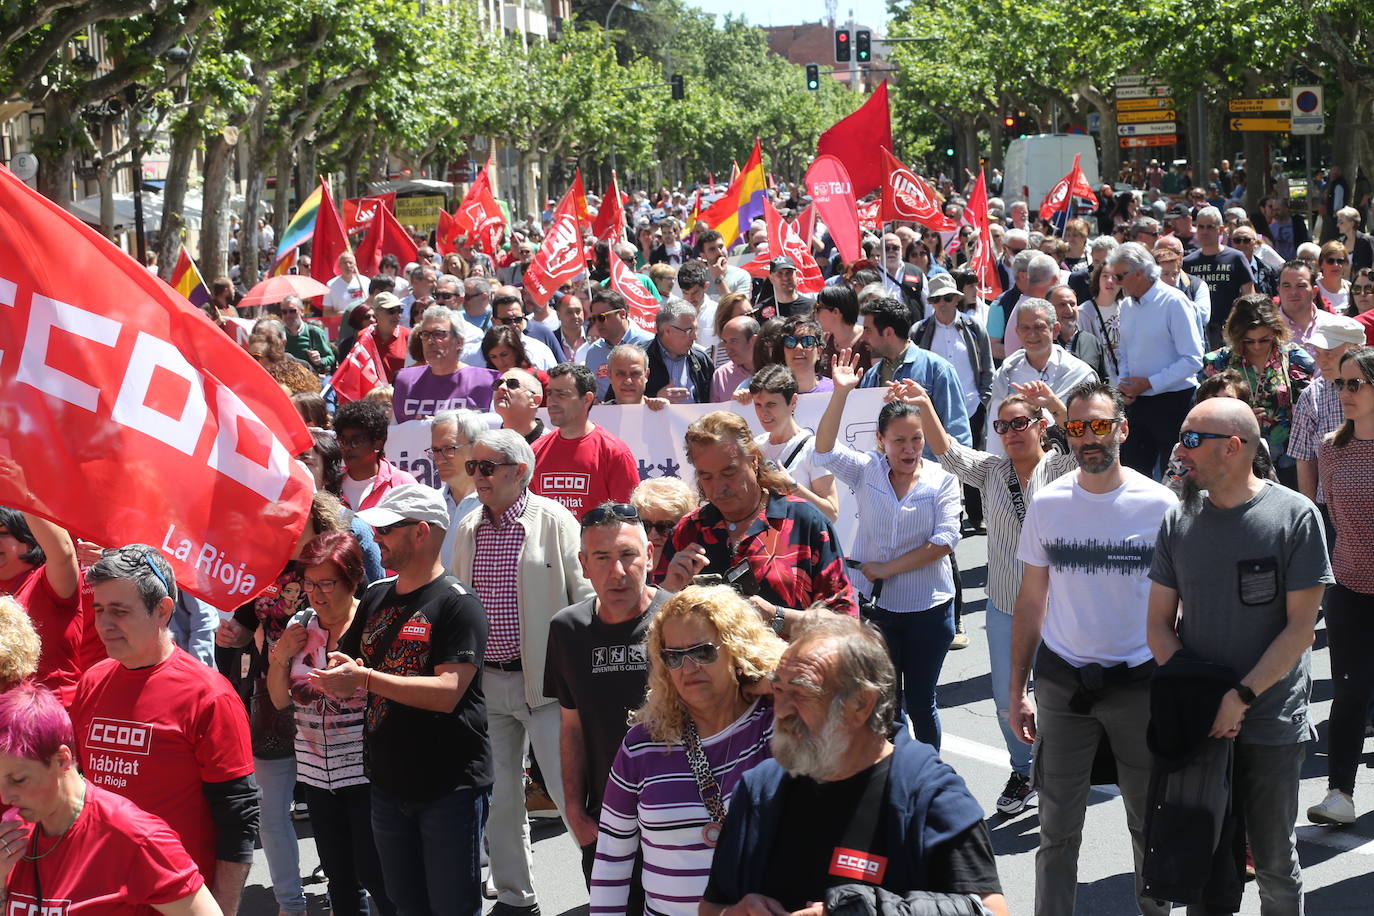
(1063, 767)
(1266, 778)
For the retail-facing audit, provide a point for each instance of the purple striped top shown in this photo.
(652, 803)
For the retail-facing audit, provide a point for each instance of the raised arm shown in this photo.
(845, 374)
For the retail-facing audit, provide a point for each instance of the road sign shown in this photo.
(1131, 79)
(1143, 92)
(1270, 125)
(1308, 114)
(1094, 121)
(1143, 104)
(1161, 140)
(1145, 117)
(1241, 106)
(1141, 130)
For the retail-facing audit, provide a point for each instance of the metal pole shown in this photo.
(1307, 157)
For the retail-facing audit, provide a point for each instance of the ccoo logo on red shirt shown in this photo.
(121, 736)
(860, 866)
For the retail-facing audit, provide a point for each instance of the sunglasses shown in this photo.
(1362, 289)
(1352, 385)
(512, 383)
(396, 310)
(444, 297)
(605, 513)
(806, 340)
(1240, 240)
(1077, 429)
(435, 336)
(387, 529)
(604, 315)
(1336, 260)
(662, 529)
(1258, 341)
(487, 468)
(951, 297)
(1191, 438)
(1019, 423)
(1119, 277)
(701, 655)
(511, 319)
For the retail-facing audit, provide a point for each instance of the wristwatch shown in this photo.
(1247, 696)
(779, 620)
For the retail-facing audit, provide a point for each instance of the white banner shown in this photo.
(656, 439)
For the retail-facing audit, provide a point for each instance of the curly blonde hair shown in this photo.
(725, 427)
(19, 645)
(747, 643)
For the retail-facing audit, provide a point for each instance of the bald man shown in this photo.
(1238, 575)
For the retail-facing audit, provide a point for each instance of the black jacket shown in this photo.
(868, 900)
(698, 364)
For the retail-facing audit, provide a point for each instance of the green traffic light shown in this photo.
(949, 151)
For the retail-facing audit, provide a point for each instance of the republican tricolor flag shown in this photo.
(186, 279)
(741, 203)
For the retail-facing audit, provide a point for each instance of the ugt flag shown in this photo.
(127, 416)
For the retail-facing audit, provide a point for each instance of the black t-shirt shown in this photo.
(802, 305)
(1225, 273)
(601, 670)
(822, 818)
(415, 754)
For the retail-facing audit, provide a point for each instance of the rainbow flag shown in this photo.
(186, 279)
(742, 202)
(285, 263)
(302, 226)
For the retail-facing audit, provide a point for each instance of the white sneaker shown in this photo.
(1337, 809)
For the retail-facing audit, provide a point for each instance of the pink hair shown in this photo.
(337, 547)
(33, 724)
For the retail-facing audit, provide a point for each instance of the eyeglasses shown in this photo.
(1077, 429)
(1119, 277)
(805, 341)
(354, 443)
(512, 383)
(951, 297)
(1241, 240)
(395, 310)
(435, 336)
(604, 315)
(892, 248)
(601, 514)
(444, 297)
(701, 655)
(487, 468)
(1335, 260)
(1258, 341)
(1352, 385)
(1191, 438)
(1019, 423)
(690, 332)
(323, 586)
(448, 451)
(387, 529)
(662, 529)
(512, 319)
(1362, 290)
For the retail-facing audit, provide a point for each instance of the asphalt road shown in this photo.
(1338, 864)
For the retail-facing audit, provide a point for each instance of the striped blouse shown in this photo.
(652, 804)
(329, 732)
(989, 473)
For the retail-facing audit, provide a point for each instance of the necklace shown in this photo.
(750, 517)
(80, 804)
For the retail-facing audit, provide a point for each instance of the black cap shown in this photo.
(781, 262)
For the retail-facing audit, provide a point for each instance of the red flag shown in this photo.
(832, 193)
(610, 219)
(560, 258)
(384, 236)
(579, 192)
(643, 305)
(329, 240)
(868, 215)
(359, 212)
(907, 196)
(1070, 186)
(361, 370)
(127, 416)
(806, 224)
(445, 233)
(784, 239)
(980, 259)
(857, 140)
(479, 217)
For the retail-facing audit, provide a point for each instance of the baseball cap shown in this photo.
(781, 262)
(941, 285)
(412, 501)
(1333, 330)
(1178, 210)
(387, 301)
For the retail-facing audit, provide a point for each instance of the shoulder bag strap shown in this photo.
(1018, 499)
(1106, 338)
(787, 462)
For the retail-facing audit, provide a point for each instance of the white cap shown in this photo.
(413, 502)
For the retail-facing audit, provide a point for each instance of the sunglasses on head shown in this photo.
(806, 340)
(403, 523)
(1352, 385)
(1077, 429)
(701, 655)
(487, 468)
(1191, 438)
(1017, 423)
(605, 513)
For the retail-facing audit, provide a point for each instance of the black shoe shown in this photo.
(1015, 796)
(506, 909)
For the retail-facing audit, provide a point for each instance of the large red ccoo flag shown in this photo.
(560, 258)
(127, 416)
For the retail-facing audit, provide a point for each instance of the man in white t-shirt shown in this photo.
(787, 446)
(347, 289)
(1086, 545)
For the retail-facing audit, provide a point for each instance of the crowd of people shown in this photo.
(1164, 429)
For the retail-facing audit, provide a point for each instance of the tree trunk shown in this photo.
(968, 141)
(310, 177)
(996, 142)
(255, 157)
(281, 202)
(104, 176)
(185, 140)
(1106, 135)
(57, 153)
(214, 222)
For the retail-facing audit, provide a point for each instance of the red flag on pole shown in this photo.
(1070, 186)
(479, 217)
(579, 192)
(980, 259)
(361, 370)
(832, 193)
(783, 239)
(127, 416)
(907, 196)
(445, 233)
(560, 258)
(329, 240)
(384, 236)
(643, 305)
(610, 219)
(359, 212)
(857, 140)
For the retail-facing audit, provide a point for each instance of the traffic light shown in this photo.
(813, 77)
(862, 42)
(842, 46)
(676, 82)
(1009, 123)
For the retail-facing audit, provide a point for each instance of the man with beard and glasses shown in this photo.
(840, 805)
(1086, 547)
(1247, 558)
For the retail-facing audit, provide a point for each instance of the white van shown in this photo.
(1035, 164)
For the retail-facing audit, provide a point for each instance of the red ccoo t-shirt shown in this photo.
(115, 860)
(584, 473)
(154, 735)
(59, 625)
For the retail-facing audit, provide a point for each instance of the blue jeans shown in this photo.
(277, 780)
(919, 642)
(430, 850)
(998, 625)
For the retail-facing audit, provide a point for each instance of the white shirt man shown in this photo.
(347, 289)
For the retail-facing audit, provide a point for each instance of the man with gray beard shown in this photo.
(839, 804)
